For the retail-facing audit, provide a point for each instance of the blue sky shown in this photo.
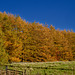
(59, 13)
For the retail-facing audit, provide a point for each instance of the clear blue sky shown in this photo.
(59, 13)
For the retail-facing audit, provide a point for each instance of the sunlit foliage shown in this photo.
(21, 41)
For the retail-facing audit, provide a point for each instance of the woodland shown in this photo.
(21, 41)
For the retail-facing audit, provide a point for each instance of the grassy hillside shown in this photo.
(46, 68)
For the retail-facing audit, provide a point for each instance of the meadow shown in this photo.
(45, 68)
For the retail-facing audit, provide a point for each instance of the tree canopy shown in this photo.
(21, 41)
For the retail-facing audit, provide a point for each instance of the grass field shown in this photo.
(46, 68)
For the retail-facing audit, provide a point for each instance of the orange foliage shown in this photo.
(24, 41)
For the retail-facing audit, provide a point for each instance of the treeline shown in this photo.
(21, 41)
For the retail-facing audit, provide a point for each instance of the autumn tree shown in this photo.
(21, 41)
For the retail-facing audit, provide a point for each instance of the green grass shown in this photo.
(46, 68)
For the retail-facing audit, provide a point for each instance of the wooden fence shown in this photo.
(4, 70)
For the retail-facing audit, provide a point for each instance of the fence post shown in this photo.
(25, 71)
(6, 69)
(0, 72)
